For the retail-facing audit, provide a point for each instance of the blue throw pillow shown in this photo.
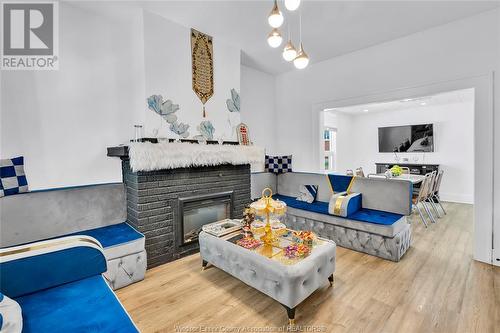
(308, 193)
(278, 164)
(12, 177)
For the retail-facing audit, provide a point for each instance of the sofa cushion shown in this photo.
(317, 206)
(118, 240)
(86, 305)
(372, 221)
(374, 216)
(32, 216)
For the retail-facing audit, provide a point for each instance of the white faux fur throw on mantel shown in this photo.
(146, 156)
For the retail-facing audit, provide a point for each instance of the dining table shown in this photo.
(414, 179)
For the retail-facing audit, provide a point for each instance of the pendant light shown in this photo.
(275, 17)
(289, 52)
(292, 5)
(302, 59)
(274, 38)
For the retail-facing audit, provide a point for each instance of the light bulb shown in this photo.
(275, 17)
(289, 52)
(302, 60)
(274, 39)
(292, 5)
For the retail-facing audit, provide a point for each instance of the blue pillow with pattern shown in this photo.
(12, 177)
(308, 193)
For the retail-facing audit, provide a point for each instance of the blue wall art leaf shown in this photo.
(206, 129)
(180, 129)
(154, 103)
(165, 109)
(233, 104)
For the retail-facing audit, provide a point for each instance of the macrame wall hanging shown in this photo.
(202, 66)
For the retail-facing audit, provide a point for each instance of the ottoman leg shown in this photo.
(204, 264)
(330, 278)
(291, 314)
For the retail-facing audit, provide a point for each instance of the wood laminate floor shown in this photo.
(437, 287)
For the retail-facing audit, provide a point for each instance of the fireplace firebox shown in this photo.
(196, 211)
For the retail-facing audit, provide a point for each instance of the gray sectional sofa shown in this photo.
(378, 227)
(98, 211)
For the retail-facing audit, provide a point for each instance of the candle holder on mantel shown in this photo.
(265, 207)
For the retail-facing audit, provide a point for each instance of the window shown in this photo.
(329, 145)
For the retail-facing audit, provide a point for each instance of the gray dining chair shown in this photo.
(419, 200)
(435, 192)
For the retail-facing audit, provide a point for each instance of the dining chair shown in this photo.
(349, 172)
(418, 200)
(435, 193)
(359, 172)
(426, 195)
(432, 190)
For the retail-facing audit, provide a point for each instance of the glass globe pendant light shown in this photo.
(292, 5)
(302, 59)
(274, 38)
(289, 52)
(275, 17)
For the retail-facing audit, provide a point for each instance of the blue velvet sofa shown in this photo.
(98, 211)
(59, 287)
(374, 219)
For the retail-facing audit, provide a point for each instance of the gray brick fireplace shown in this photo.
(169, 206)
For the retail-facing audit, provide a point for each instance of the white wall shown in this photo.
(451, 55)
(453, 144)
(111, 60)
(62, 121)
(167, 49)
(257, 107)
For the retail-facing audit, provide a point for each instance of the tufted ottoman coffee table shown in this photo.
(289, 284)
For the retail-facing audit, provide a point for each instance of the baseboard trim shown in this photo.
(457, 197)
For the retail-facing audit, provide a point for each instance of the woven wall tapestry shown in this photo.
(202, 66)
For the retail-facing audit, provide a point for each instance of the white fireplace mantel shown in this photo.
(146, 156)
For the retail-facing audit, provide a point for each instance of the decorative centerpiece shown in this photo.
(248, 218)
(249, 243)
(305, 237)
(295, 251)
(396, 171)
(267, 207)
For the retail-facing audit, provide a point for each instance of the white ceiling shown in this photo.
(451, 97)
(330, 28)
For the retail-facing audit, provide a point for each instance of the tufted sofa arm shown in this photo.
(288, 284)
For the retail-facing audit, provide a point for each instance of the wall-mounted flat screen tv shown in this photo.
(406, 139)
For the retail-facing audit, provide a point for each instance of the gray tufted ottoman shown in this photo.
(287, 284)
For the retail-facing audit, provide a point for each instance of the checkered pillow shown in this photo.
(279, 164)
(12, 178)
